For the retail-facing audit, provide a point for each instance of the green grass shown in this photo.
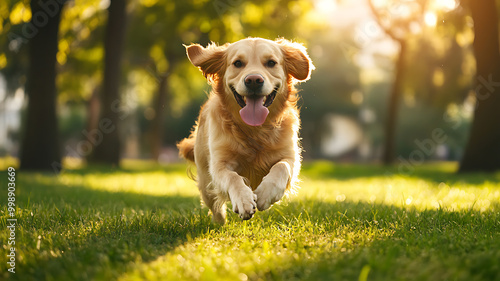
(347, 222)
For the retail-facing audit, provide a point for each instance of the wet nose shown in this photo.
(254, 82)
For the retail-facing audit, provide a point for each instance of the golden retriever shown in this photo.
(245, 143)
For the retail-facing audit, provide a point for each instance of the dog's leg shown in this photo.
(217, 207)
(232, 184)
(273, 185)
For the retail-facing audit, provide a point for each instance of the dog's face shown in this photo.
(255, 73)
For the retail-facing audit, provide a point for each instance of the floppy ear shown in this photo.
(210, 60)
(297, 62)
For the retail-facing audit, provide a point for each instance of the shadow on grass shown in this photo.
(88, 234)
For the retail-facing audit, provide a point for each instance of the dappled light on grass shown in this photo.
(145, 222)
(153, 182)
(264, 247)
(428, 189)
(407, 193)
(329, 218)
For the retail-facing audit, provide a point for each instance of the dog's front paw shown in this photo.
(268, 193)
(244, 203)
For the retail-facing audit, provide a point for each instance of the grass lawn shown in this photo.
(347, 222)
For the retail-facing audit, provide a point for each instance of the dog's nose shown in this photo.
(254, 82)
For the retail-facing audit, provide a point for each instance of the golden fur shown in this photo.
(252, 166)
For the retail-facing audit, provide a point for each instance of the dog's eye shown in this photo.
(271, 63)
(238, 64)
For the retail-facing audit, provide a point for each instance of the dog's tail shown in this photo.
(186, 147)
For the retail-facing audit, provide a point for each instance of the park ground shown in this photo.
(347, 222)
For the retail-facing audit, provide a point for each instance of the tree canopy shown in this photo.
(160, 89)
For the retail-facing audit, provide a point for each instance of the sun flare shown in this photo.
(443, 5)
(446, 5)
(326, 6)
(430, 19)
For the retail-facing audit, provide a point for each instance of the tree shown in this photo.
(397, 28)
(482, 152)
(156, 128)
(40, 145)
(402, 21)
(168, 23)
(108, 150)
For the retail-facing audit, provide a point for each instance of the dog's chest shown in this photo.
(254, 153)
(254, 163)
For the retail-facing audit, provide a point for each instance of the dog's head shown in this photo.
(253, 74)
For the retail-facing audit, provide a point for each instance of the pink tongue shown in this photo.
(254, 113)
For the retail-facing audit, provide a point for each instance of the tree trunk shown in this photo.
(482, 152)
(108, 150)
(93, 134)
(156, 127)
(40, 144)
(393, 106)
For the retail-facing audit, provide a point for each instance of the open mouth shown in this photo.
(268, 100)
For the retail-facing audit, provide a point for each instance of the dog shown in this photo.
(245, 143)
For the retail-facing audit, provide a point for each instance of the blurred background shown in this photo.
(98, 81)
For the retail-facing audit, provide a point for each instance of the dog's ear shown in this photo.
(297, 62)
(210, 60)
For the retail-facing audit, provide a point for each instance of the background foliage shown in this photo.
(354, 61)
